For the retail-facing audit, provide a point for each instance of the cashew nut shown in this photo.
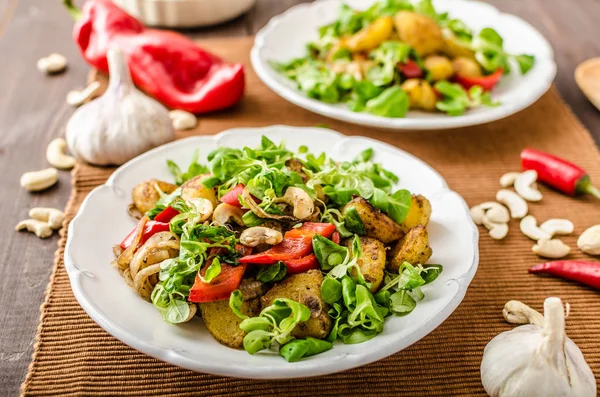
(39, 228)
(525, 186)
(53, 63)
(477, 214)
(551, 248)
(495, 212)
(508, 179)
(77, 98)
(256, 235)
(35, 181)
(557, 226)
(203, 208)
(497, 231)
(55, 154)
(53, 217)
(183, 120)
(589, 240)
(515, 203)
(529, 228)
(301, 201)
(226, 212)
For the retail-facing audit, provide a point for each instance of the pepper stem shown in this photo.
(72, 9)
(584, 185)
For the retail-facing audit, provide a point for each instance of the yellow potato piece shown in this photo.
(371, 36)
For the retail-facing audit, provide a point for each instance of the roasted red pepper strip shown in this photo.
(486, 82)
(410, 69)
(220, 287)
(303, 264)
(585, 272)
(324, 229)
(558, 173)
(150, 229)
(232, 196)
(166, 215)
(164, 64)
(335, 237)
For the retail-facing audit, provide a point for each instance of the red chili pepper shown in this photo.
(486, 82)
(232, 196)
(150, 229)
(585, 272)
(410, 69)
(220, 287)
(166, 215)
(164, 64)
(301, 265)
(335, 237)
(558, 173)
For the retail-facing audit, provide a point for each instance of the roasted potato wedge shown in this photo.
(453, 47)
(195, 189)
(418, 213)
(372, 260)
(145, 195)
(377, 224)
(439, 67)
(371, 36)
(466, 67)
(413, 248)
(422, 33)
(223, 324)
(306, 289)
(420, 93)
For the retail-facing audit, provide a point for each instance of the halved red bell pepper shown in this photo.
(486, 82)
(150, 229)
(303, 264)
(410, 69)
(324, 229)
(166, 215)
(232, 196)
(220, 287)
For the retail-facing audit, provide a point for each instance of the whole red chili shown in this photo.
(585, 272)
(558, 173)
(166, 65)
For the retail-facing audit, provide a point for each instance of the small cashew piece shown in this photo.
(477, 214)
(515, 203)
(53, 217)
(554, 248)
(203, 207)
(53, 63)
(55, 154)
(525, 186)
(497, 231)
(557, 226)
(35, 181)
(301, 201)
(256, 235)
(77, 98)
(589, 240)
(183, 120)
(226, 212)
(529, 228)
(508, 179)
(39, 228)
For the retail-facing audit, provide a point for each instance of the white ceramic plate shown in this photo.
(103, 221)
(286, 35)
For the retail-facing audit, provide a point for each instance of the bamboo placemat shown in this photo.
(74, 356)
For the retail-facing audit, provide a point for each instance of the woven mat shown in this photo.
(74, 356)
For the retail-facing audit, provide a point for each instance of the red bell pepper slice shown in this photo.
(303, 264)
(220, 287)
(324, 229)
(335, 237)
(166, 215)
(150, 229)
(289, 248)
(232, 196)
(486, 82)
(410, 69)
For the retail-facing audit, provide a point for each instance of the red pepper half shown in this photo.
(164, 64)
(303, 264)
(150, 229)
(585, 272)
(558, 173)
(410, 69)
(220, 287)
(232, 196)
(166, 215)
(486, 82)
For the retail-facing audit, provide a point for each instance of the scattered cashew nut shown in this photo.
(301, 201)
(203, 207)
(508, 179)
(529, 228)
(77, 98)
(53, 217)
(589, 240)
(55, 154)
(557, 226)
(515, 203)
(553, 249)
(35, 181)
(53, 63)
(256, 235)
(525, 186)
(477, 214)
(183, 120)
(224, 212)
(497, 231)
(39, 228)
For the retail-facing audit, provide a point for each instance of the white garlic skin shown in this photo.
(119, 125)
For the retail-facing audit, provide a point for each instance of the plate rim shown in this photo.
(286, 372)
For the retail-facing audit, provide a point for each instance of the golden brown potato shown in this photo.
(466, 67)
(194, 188)
(372, 260)
(145, 195)
(304, 288)
(420, 93)
(422, 33)
(223, 324)
(418, 213)
(371, 36)
(439, 67)
(453, 47)
(377, 224)
(413, 248)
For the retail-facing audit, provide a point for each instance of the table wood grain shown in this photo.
(33, 111)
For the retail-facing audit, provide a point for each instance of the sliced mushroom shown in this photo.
(553, 249)
(525, 186)
(300, 200)
(202, 207)
(529, 228)
(261, 213)
(508, 179)
(557, 226)
(224, 213)
(515, 203)
(256, 235)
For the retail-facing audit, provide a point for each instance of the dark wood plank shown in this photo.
(33, 111)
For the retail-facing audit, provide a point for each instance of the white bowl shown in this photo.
(286, 35)
(103, 220)
(185, 13)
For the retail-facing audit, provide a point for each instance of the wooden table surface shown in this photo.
(33, 111)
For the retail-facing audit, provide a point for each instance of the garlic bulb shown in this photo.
(536, 359)
(120, 124)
